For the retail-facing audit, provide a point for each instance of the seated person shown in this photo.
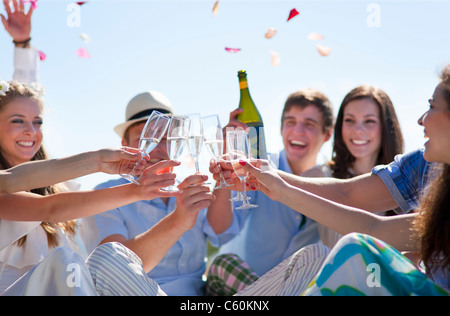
(175, 261)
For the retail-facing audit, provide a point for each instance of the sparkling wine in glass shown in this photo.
(176, 141)
(213, 141)
(195, 138)
(151, 135)
(238, 148)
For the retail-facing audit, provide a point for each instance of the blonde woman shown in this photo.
(35, 257)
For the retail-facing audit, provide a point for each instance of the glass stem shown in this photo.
(244, 192)
(132, 173)
(197, 168)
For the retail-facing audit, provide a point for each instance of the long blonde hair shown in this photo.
(14, 91)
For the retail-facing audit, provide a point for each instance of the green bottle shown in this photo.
(251, 117)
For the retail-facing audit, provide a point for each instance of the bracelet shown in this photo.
(24, 43)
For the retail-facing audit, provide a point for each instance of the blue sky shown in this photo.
(177, 48)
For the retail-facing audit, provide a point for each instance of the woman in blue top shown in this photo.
(426, 231)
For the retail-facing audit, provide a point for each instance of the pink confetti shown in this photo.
(270, 32)
(42, 56)
(315, 36)
(33, 3)
(83, 53)
(215, 9)
(275, 58)
(232, 50)
(293, 13)
(323, 50)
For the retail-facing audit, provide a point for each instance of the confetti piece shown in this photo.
(81, 2)
(270, 32)
(42, 56)
(275, 58)
(83, 53)
(232, 50)
(86, 38)
(323, 50)
(315, 36)
(33, 3)
(293, 13)
(215, 8)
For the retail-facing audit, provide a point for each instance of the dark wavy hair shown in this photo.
(392, 142)
(432, 225)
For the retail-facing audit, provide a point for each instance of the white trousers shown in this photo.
(111, 270)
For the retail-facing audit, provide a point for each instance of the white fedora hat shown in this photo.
(141, 106)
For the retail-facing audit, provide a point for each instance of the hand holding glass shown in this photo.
(238, 147)
(213, 138)
(151, 135)
(176, 141)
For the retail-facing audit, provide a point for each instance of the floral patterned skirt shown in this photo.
(363, 265)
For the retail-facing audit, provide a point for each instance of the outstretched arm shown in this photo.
(37, 174)
(152, 245)
(60, 207)
(395, 230)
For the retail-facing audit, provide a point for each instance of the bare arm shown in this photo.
(220, 212)
(61, 207)
(36, 174)
(366, 192)
(152, 245)
(344, 219)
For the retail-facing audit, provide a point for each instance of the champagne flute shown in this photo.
(238, 146)
(151, 135)
(176, 141)
(195, 138)
(213, 138)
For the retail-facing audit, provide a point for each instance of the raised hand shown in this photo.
(152, 180)
(17, 23)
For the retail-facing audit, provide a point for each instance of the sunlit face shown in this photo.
(303, 135)
(361, 129)
(20, 130)
(436, 123)
(134, 134)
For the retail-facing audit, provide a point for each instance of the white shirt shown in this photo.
(16, 261)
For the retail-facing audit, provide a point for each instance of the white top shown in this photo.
(26, 62)
(16, 261)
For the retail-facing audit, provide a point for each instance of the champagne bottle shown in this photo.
(251, 117)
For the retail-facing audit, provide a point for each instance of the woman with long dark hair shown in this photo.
(367, 133)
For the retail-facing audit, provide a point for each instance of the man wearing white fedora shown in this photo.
(169, 234)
